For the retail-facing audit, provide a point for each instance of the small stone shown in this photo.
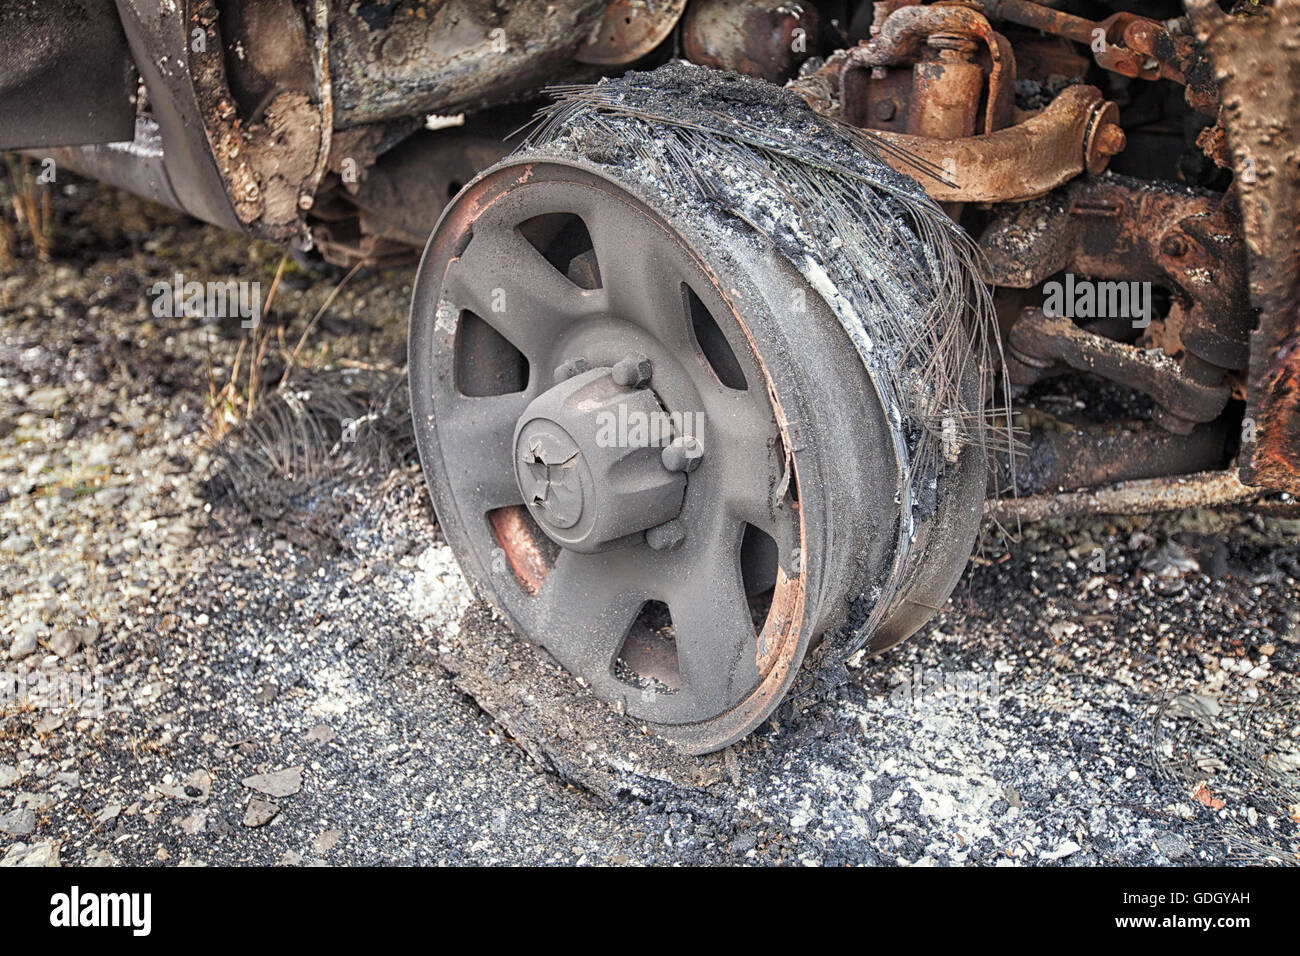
(281, 783)
(49, 723)
(260, 812)
(18, 823)
(744, 843)
(14, 855)
(64, 644)
(37, 802)
(193, 789)
(1065, 849)
(326, 841)
(24, 645)
(16, 544)
(1172, 846)
(45, 853)
(198, 785)
(110, 497)
(9, 775)
(196, 822)
(48, 399)
(320, 734)
(101, 858)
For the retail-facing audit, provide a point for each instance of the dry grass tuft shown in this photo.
(27, 204)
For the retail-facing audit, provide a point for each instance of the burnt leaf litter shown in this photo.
(302, 676)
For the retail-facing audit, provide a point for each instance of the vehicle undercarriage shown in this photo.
(833, 256)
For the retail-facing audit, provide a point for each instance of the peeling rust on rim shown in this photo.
(530, 554)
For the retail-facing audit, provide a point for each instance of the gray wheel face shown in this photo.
(675, 580)
(681, 572)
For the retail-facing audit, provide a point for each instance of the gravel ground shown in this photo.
(313, 683)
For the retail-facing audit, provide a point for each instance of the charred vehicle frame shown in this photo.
(1146, 165)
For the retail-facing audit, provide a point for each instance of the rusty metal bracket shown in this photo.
(1076, 132)
(1185, 240)
(957, 60)
(903, 39)
(1124, 43)
(1039, 341)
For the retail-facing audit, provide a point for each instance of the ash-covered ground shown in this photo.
(303, 677)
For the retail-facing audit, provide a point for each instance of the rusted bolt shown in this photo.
(683, 454)
(569, 368)
(667, 536)
(632, 371)
(951, 41)
(1110, 140)
(1174, 245)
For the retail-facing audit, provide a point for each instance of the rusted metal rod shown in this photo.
(1209, 489)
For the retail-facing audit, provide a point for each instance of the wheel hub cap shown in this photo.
(585, 483)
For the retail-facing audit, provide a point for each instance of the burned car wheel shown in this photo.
(685, 582)
(656, 451)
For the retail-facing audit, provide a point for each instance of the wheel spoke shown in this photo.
(716, 645)
(588, 602)
(640, 272)
(716, 642)
(507, 283)
(742, 438)
(482, 431)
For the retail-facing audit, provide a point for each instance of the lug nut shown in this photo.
(683, 454)
(632, 371)
(569, 368)
(1110, 140)
(667, 536)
